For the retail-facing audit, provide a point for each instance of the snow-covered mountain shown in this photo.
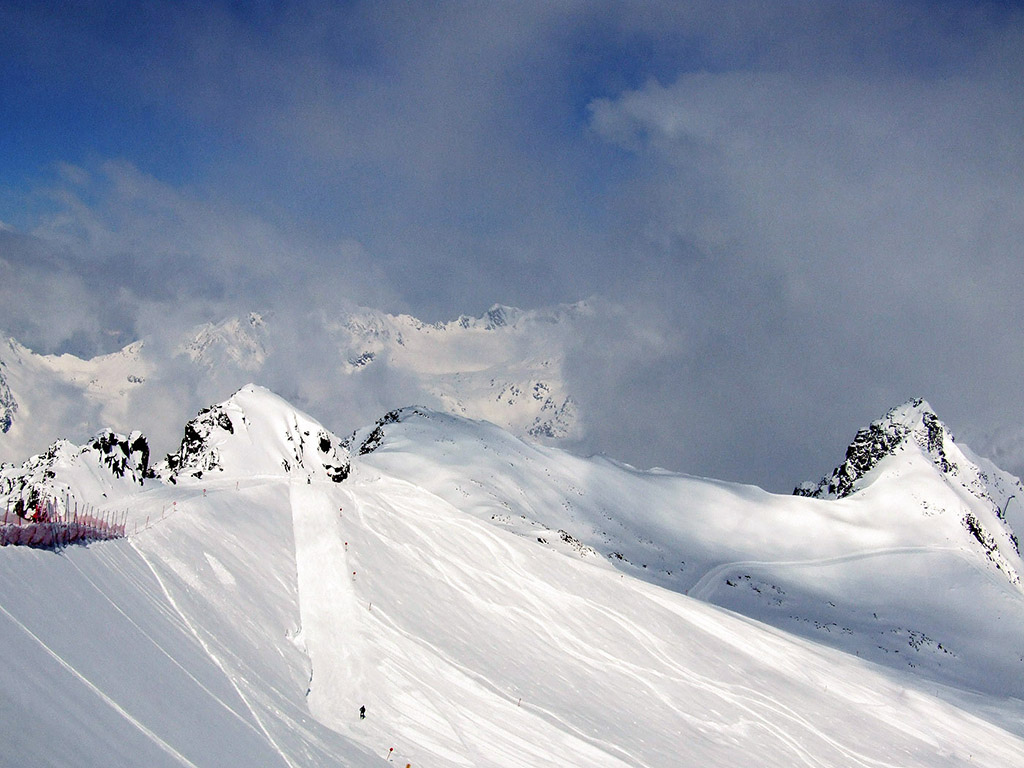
(464, 369)
(279, 442)
(505, 366)
(883, 573)
(493, 602)
(109, 466)
(46, 397)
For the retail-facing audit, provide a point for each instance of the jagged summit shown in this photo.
(446, 546)
(242, 341)
(255, 432)
(912, 423)
(506, 366)
(498, 316)
(910, 458)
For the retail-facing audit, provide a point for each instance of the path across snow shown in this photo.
(332, 626)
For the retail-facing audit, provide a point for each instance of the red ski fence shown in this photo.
(53, 525)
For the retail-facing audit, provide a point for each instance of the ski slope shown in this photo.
(889, 573)
(261, 604)
(469, 645)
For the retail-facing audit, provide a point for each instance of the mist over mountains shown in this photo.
(565, 375)
(507, 366)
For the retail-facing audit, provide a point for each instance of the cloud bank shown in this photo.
(803, 213)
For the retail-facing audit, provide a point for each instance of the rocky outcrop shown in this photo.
(913, 420)
(196, 453)
(914, 426)
(8, 405)
(372, 438)
(252, 433)
(109, 463)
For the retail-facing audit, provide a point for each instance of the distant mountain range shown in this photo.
(505, 366)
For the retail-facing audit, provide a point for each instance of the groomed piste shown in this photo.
(271, 601)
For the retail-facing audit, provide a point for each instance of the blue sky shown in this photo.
(817, 206)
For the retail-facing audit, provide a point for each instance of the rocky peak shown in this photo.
(124, 456)
(914, 426)
(255, 432)
(107, 465)
(198, 453)
(240, 340)
(914, 421)
(370, 439)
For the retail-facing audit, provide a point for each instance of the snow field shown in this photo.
(890, 574)
(467, 619)
(495, 604)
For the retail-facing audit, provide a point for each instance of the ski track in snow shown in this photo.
(702, 589)
(216, 660)
(326, 602)
(472, 645)
(745, 698)
(159, 742)
(417, 526)
(163, 651)
(483, 535)
(318, 536)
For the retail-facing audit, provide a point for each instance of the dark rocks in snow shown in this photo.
(496, 317)
(336, 472)
(195, 453)
(977, 530)
(8, 405)
(124, 455)
(49, 475)
(870, 445)
(209, 442)
(362, 360)
(882, 438)
(376, 437)
(372, 442)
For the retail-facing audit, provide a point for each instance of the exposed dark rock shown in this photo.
(880, 439)
(125, 458)
(364, 359)
(376, 437)
(8, 405)
(195, 453)
(124, 454)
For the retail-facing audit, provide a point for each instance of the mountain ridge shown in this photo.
(468, 587)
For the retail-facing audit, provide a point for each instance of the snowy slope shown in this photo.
(278, 441)
(261, 603)
(109, 467)
(913, 571)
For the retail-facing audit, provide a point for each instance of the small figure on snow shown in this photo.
(362, 713)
